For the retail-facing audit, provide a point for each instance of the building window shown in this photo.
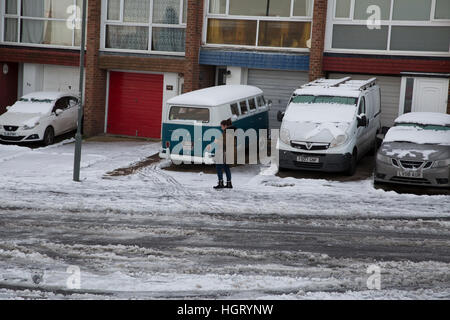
(259, 23)
(156, 26)
(393, 26)
(41, 22)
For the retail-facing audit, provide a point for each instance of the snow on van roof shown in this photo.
(329, 91)
(215, 96)
(425, 118)
(46, 95)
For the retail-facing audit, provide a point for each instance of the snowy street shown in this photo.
(158, 232)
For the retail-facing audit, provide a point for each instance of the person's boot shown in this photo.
(229, 185)
(220, 185)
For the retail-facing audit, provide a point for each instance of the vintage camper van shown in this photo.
(198, 111)
(329, 125)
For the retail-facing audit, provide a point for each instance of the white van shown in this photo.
(329, 125)
(198, 111)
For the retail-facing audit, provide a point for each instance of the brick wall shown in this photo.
(384, 65)
(40, 56)
(95, 88)
(155, 64)
(193, 43)
(318, 39)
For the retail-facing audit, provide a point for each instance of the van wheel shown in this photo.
(352, 166)
(49, 136)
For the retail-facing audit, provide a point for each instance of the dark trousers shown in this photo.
(223, 167)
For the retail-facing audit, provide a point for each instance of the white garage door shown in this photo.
(61, 78)
(278, 86)
(390, 94)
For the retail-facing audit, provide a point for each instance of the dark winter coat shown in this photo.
(223, 142)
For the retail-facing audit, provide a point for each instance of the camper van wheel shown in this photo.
(352, 166)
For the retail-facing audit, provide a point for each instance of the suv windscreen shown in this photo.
(324, 99)
(189, 113)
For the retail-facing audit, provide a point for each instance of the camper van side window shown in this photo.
(252, 104)
(261, 101)
(244, 109)
(234, 109)
(362, 106)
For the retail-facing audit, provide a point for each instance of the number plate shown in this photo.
(9, 134)
(308, 159)
(410, 174)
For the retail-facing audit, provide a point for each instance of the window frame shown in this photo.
(227, 16)
(20, 18)
(105, 22)
(332, 21)
(189, 107)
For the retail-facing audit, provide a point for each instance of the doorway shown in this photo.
(421, 94)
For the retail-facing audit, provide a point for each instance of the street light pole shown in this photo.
(78, 137)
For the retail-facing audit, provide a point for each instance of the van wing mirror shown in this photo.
(280, 116)
(269, 103)
(58, 112)
(362, 120)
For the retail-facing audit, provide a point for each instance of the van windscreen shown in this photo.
(324, 99)
(189, 113)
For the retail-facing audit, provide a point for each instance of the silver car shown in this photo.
(416, 151)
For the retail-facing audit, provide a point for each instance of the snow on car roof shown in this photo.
(46, 95)
(329, 91)
(417, 135)
(425, 118)
(215, 96)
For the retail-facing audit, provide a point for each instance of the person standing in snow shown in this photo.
(221, 166)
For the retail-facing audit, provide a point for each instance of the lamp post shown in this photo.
(78, 137)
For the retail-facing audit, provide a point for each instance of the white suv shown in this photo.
(39, 116)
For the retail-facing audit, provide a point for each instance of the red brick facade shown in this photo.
(386, 66)
(40, 56)
(95, 87)
(318, 39)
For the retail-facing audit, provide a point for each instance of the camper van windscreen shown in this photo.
(324, 99)
(189, 113)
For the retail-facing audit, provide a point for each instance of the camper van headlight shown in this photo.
(285, 136)
(339, 140)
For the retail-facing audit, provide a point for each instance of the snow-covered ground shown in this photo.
(166, 233)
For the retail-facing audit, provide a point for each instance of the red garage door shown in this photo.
(135, 104)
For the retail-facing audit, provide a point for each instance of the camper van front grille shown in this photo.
(311, 146)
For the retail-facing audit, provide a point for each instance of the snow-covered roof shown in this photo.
(425, 118)
(417, 135)
(215, 96)
(330, 91)
(46, 95)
